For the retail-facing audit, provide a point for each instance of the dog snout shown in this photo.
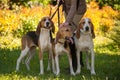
(47, 23)
(87, 28)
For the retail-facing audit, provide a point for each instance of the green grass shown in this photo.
(107, 67)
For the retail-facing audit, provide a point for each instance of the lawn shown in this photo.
(107, 67)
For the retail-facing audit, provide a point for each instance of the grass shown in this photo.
(107, 67)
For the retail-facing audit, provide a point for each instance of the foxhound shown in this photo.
(84, 42)
(41, 38)
(61, 46)
(45, 28)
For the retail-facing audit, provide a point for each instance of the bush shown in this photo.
(9, 42)
(115, 4)
(114, 34)
(17, 22)
(103, 19)
(28, 24)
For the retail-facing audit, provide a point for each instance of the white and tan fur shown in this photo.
(84, 42)
(43, 30)
(61, 46)
(44, 41)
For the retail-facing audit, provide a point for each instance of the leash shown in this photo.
(59, 4)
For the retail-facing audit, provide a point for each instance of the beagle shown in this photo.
(44, 30)
(84, 42)
(61, 46)
(41, 38)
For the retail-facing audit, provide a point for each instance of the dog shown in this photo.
(84, 42)
(45, 28)
(41, 38)
(63, 37)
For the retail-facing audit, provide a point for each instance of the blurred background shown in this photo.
(19, 16)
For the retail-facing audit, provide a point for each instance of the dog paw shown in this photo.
(48, 69)
(73, 74)
(88, 67)
(57, 73)
(77, 72)
(93, 73)
(17, 69)
(41, 73)
(54, 72)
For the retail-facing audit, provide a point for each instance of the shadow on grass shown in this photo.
(106, 66)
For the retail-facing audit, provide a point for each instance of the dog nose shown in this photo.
(47, 23)
(87, 28)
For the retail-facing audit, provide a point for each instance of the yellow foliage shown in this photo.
(10, 20)
(101, 17)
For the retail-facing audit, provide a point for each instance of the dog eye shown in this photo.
(89, 22)
(83, 22)
(44, 19)
(49, 19)
(67, 30)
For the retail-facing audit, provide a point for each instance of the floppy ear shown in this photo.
(58, 35)
(38, 28)
(78, 31)
(53, 27)
(92, 31)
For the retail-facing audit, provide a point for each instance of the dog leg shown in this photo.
(53, 65)
(78, 63)
(92, 63)
(30, 55)
(57, 65)
(87, 60)
(22, 55)
(53, 61)
(49, 59)
(41, 62)
(41, 67)
(70, 63)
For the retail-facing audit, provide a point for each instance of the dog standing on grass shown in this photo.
(61, 46)
(84, 42)
(42, 38)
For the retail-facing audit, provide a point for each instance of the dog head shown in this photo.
(64, 32)
(86, 27)
(46, 23)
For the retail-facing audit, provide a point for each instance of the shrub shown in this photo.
(9, 42)
(103, 19)
(114, 34)
(17, 22)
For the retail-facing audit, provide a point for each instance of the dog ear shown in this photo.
(53, 27)
(38, 28)
(58, 35)
(92, 30)
(78, 31)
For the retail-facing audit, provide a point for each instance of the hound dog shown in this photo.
(61, 46)
(42, 38)
(84, 42)
(45, 41)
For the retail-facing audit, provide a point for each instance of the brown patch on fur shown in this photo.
(40, 53)
(26, 40)
(78, 29)
(38, 28)
(41, 23)
(92, 28)
(63, 33)
(92, 31)
(58, 36)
